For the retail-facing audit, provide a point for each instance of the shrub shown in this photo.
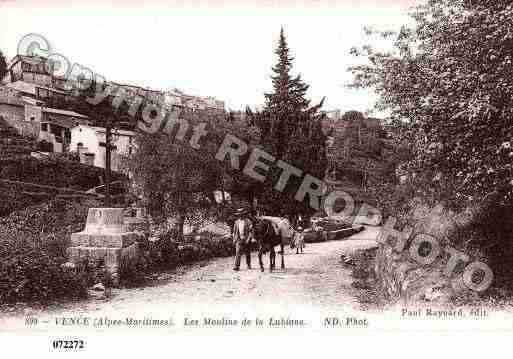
(38, 276)
(55, 170)
(193, 248)
(33, 246)
(65, 156)
(130, 276)
(45, 146)
(488, 233)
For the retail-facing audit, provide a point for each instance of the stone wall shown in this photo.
(403, 280)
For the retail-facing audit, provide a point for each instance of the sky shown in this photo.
(218, 48)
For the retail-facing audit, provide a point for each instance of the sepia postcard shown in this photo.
(191, 175)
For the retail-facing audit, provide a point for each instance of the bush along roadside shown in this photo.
(33, 246)
(365, 282)
(167, 252)
(33, 259)
(39, 276)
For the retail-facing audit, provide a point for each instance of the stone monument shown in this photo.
(105, 242)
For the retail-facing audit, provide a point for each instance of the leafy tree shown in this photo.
(172, 176)
(359, 151)
(177, 179)
(290, 129)
(234, 180)
(449, 84)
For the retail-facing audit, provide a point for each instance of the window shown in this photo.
(44, 127)
(32, 118)
(42, 93)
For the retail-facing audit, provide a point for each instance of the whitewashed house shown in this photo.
(89, 142)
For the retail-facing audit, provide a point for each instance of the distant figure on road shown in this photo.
(298, 240)
(242, 236)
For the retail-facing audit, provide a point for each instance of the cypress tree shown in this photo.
(291, 131)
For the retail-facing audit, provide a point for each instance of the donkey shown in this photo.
(267, 238)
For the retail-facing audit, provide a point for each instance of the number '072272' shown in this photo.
(68, 344)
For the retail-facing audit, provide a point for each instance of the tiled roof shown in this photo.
(64, 112)
(66, 123)
(25, 87)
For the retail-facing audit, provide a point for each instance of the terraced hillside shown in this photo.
(27, 180)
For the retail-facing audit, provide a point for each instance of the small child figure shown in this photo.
(298, 241)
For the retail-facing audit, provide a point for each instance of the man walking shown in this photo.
(242, 235)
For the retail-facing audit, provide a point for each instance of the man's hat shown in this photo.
(240, 211)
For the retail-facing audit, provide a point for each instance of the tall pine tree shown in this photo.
(291, 131)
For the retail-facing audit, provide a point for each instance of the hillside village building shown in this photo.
(22, 106)
(56, 126)
(89, 143)
(167, 99)
(34, 70)
(31, 101)
(334, 115)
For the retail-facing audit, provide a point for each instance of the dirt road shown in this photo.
(314, 279)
